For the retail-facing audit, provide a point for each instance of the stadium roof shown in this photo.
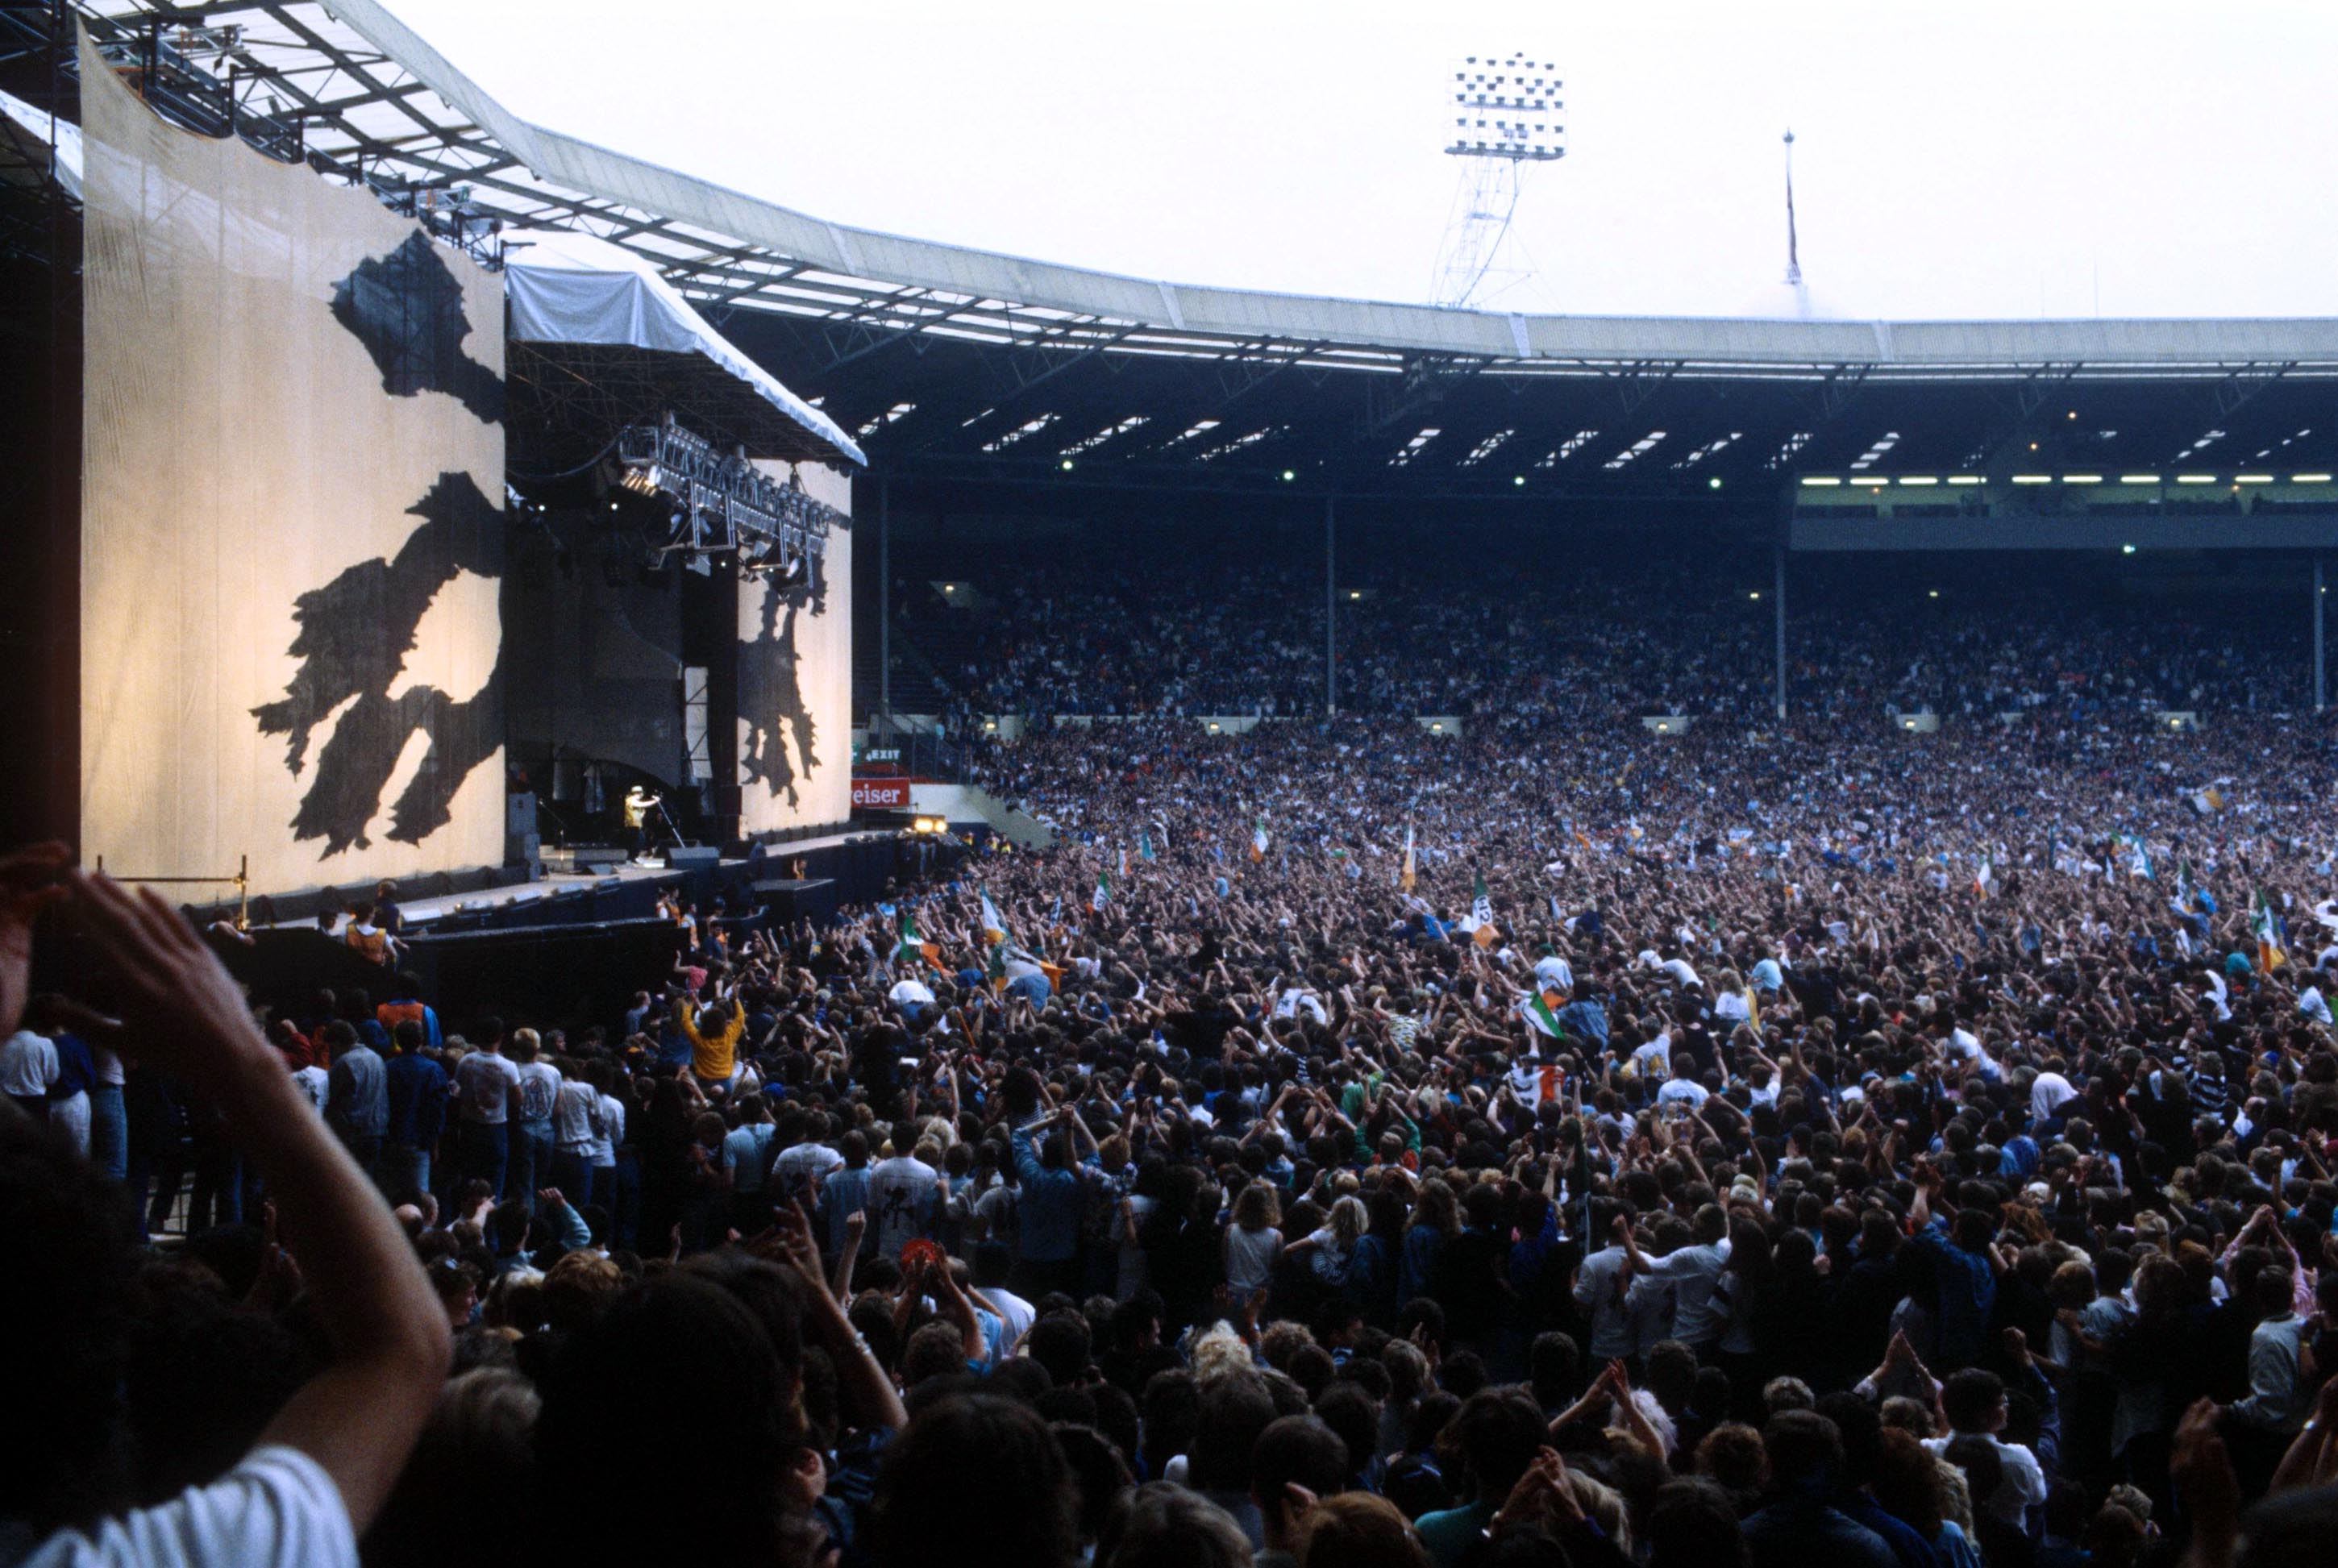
(953, 362)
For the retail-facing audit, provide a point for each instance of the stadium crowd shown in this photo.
(1545, 1144)
(1240, 631)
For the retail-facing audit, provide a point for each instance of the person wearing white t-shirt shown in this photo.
(573, 1111)
(913, 996)
(1681, 1087)
(2048, 1094)
(28, 1065)
(485, 1081)
(902, 1195)
(1974, 1402)
(323, 1467)
(315, 1083)
(1653, 1059)
(1298, 999)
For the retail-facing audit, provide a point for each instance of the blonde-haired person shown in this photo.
(1220, 1351)
(1331, 1251)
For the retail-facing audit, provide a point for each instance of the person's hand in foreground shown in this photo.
(358, 1418)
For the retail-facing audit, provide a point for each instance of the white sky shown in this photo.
(1981, 159)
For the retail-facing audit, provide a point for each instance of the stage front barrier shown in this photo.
(292, 529)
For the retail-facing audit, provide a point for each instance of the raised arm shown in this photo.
(358, 1419)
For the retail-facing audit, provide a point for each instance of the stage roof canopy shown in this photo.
(962, 363)
(600, 339)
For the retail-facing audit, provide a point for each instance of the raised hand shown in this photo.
(28, 884)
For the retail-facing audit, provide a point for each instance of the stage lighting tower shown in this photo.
(1501, 116)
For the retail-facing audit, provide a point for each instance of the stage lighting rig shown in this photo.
(725, 504)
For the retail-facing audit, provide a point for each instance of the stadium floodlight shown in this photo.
(2195, 478)
(1819, 481)
(1919, 479)
(2139, 478)
(1711, 483)
(1870, 481)
(1067, 464)
(2127, 549)
(1288, 475)
(2251, 478)
(1964, 478)
(2082, 478)
(2033, 478)
(1517, 479)
(2309, 479)
(1506, 109)
(1506, 115)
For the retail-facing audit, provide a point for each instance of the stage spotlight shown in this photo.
(1067, 464)
(1714, 483)
(1518, 478)
(1288, 475)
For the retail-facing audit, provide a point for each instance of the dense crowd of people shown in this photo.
(1138, 627)
(1550, 1143)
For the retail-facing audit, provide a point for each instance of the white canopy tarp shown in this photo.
(27, 129)
(569, 288)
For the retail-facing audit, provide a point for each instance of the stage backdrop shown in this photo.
(795, 682)
(292, 527)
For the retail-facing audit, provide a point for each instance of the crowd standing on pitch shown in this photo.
(1549, 1143)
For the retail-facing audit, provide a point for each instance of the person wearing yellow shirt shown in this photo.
(714, 1035)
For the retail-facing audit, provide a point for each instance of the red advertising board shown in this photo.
(881, 794)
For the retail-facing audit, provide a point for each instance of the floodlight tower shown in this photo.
(1505, 113)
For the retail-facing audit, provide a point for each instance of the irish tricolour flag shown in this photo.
(1480, 923)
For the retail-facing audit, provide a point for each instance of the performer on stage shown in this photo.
(639, 803)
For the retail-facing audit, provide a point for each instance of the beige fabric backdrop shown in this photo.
(244, 448)
(795, 685)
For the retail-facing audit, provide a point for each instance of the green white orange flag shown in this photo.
(1258, 841)
(1480, 923)
(1410, 876)
(2268, 927)
(913, 946)
(994, 924)
(1536, 1010)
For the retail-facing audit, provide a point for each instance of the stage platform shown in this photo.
(627, 890)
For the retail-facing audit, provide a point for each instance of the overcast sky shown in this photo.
(1981, 159)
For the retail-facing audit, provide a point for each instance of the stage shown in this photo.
(626, 890)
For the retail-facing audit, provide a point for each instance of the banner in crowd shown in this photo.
(292, 529)
(795, 680)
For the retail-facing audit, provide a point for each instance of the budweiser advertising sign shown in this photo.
(884, 794)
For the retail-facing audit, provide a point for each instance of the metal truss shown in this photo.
(861, 332)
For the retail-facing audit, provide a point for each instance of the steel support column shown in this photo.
(1778, 609)
(885, 606)
(2320, 687)
(1331, 614)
